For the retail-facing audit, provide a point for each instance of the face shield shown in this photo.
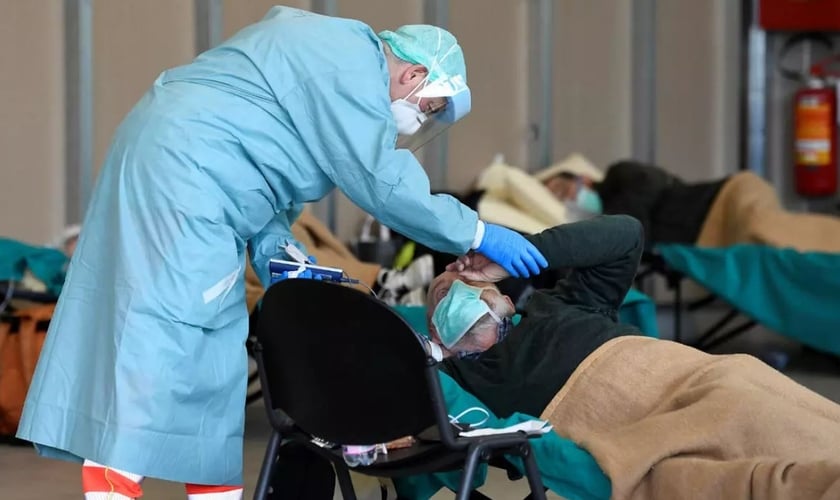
(456, 105)
(443, 97)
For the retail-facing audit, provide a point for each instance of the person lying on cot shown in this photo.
(661, 419)
(505, 365)
(741, 208)
(671, 210)
(522, 201)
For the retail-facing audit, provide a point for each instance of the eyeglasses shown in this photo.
(435, 106)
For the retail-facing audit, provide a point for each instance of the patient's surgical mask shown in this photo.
(459, 311)
(587, 199)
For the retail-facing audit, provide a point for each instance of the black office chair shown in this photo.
(339, 365)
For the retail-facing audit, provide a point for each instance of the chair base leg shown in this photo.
(267, 469)
(470, 465)
(533, 475)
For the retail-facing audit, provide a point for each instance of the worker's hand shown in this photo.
(477, 267)
(512, 251)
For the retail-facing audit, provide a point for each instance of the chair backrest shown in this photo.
(341, 364)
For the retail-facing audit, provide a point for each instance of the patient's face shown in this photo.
(563, 188)
(441, 284)
(440, 287)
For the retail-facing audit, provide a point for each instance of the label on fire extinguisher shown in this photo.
(813, 131)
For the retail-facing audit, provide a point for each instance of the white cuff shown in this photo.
(435, 351)
(479, 235)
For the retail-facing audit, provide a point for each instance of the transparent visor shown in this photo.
(444, 98)
(441, 113)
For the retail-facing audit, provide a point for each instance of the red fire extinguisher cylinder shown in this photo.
(815, 140)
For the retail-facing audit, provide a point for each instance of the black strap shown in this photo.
(792, 74)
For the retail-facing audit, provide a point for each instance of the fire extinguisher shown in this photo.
(815, 117)
(815, 138)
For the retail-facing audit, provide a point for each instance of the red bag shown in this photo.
(21, 339)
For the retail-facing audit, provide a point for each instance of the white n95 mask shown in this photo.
(408, 115)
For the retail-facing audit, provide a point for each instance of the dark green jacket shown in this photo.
(671, 211)
(562, 325)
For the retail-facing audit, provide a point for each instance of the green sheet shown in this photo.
(792, 293)
(639, 310)
(46, 264)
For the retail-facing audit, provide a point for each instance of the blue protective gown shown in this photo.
(144, 367)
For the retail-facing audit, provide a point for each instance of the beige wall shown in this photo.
(32, 120)
(133, 43)
(592, 84)
(497, 73)
(697, 69)
(240, 13)
(697, 78)
(382, 14)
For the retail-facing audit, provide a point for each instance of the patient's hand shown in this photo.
(476, 267)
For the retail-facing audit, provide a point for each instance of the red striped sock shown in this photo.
(204, 492)
(105, 483)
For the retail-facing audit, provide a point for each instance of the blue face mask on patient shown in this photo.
(587, 199)
(459, 311)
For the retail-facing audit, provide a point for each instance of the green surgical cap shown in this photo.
(433, 47)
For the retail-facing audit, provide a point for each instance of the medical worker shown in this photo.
(144, 368)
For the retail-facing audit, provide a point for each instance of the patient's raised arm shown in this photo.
(603, 253)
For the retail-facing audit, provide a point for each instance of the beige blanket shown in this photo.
(747, 210)
(516, 199)
(665, 421)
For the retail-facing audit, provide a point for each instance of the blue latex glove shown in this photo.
(512, 251)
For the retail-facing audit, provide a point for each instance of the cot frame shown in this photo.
(654, 264)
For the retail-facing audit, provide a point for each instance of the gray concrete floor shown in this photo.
(24, 476)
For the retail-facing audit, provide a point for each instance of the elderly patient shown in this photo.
(559, 327)
(661, 419)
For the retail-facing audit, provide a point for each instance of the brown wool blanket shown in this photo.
(666, 421)
(747, 210)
